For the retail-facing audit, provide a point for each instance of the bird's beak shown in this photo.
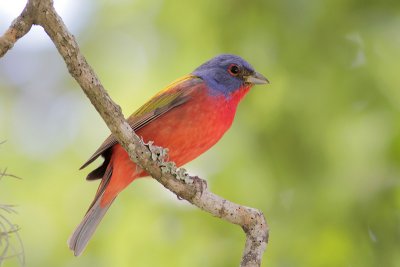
(256, 78)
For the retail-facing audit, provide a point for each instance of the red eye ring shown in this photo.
(234, 70)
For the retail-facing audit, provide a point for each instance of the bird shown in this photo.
(188, 117)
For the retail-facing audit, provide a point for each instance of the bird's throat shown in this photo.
(238, 94)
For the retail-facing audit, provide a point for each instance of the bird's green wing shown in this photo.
(175, 94)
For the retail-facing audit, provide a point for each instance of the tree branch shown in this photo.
(19, 27)
(151, 158)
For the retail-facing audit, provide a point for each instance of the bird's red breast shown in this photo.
(187, 131)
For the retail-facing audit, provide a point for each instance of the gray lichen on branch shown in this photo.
(149, 157)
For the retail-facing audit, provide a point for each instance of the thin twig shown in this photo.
(3, 173)
(8, 231)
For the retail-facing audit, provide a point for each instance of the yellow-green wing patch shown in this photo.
(170, 97)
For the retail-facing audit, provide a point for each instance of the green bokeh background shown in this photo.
(318, 150)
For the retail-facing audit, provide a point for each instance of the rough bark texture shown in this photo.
(149, 157)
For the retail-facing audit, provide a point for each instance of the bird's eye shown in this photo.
(234, 69)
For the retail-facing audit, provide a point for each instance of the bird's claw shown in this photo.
(181, 174)
(200, 184)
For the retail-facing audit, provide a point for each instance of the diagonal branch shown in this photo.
(149, 157)
(19, 27)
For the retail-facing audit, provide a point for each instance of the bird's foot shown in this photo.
(181, 174)
(201, 184)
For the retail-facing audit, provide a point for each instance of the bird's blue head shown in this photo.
(227, 73)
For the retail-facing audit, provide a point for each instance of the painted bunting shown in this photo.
(188, 117)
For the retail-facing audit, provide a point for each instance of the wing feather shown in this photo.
(172, 96)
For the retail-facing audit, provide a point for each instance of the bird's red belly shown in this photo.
(187, 131)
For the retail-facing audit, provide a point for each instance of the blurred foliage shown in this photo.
(318, 150)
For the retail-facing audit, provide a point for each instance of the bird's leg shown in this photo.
(199, 183)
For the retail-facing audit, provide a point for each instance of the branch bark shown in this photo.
(151, 158)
